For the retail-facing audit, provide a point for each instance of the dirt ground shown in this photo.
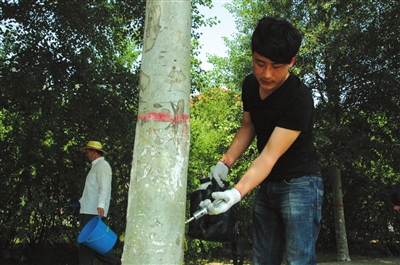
(359, 260)
(330, 259)
(380, 261)
(390, 261)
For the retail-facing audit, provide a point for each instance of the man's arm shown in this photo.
(104, 177)
(242, 140)
(279, 142)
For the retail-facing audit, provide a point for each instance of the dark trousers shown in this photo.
(86, 254)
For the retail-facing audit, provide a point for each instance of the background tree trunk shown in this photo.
(340, 225)
(157, 192)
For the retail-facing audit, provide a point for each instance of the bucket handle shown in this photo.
(89, 241)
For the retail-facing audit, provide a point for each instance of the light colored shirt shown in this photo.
(97, 191)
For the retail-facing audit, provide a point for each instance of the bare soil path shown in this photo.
(330, 259)
(365, 261)
(377, 261)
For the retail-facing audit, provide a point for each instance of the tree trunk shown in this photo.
(340, 226)
(157, 192)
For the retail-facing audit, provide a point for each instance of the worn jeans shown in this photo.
(286, 220)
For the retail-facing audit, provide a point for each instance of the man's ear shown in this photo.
(292, 62)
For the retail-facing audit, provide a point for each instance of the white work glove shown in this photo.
(207, 204)
(228, 197)
(219, 173)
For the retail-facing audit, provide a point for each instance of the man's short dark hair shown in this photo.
(276, 39)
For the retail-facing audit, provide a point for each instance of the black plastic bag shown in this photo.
(220, 228)
(217, 228)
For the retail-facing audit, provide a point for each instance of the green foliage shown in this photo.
(67, 78)
(199, 81)
(69, 74)
(215, 117)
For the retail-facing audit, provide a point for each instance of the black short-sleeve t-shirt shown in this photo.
(290, 107)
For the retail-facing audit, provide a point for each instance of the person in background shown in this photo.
(278, 111)
(95, 200)
(391, 197)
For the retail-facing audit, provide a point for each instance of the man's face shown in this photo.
(270, 75)
(90, 154)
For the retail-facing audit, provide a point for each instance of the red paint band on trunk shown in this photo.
(163, 117)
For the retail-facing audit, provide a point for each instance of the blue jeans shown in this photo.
(286, 220)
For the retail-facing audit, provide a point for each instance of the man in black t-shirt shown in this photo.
(278, 111)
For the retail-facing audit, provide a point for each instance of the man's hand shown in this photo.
(219, 173)
(100, 212)
(74, 207)
(228, 197)
(397, 208)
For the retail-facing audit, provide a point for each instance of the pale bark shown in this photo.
(157, 192)
(340, 225)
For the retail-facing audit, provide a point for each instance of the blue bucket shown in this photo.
(97, 235)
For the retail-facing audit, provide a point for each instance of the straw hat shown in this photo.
(93, 145)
